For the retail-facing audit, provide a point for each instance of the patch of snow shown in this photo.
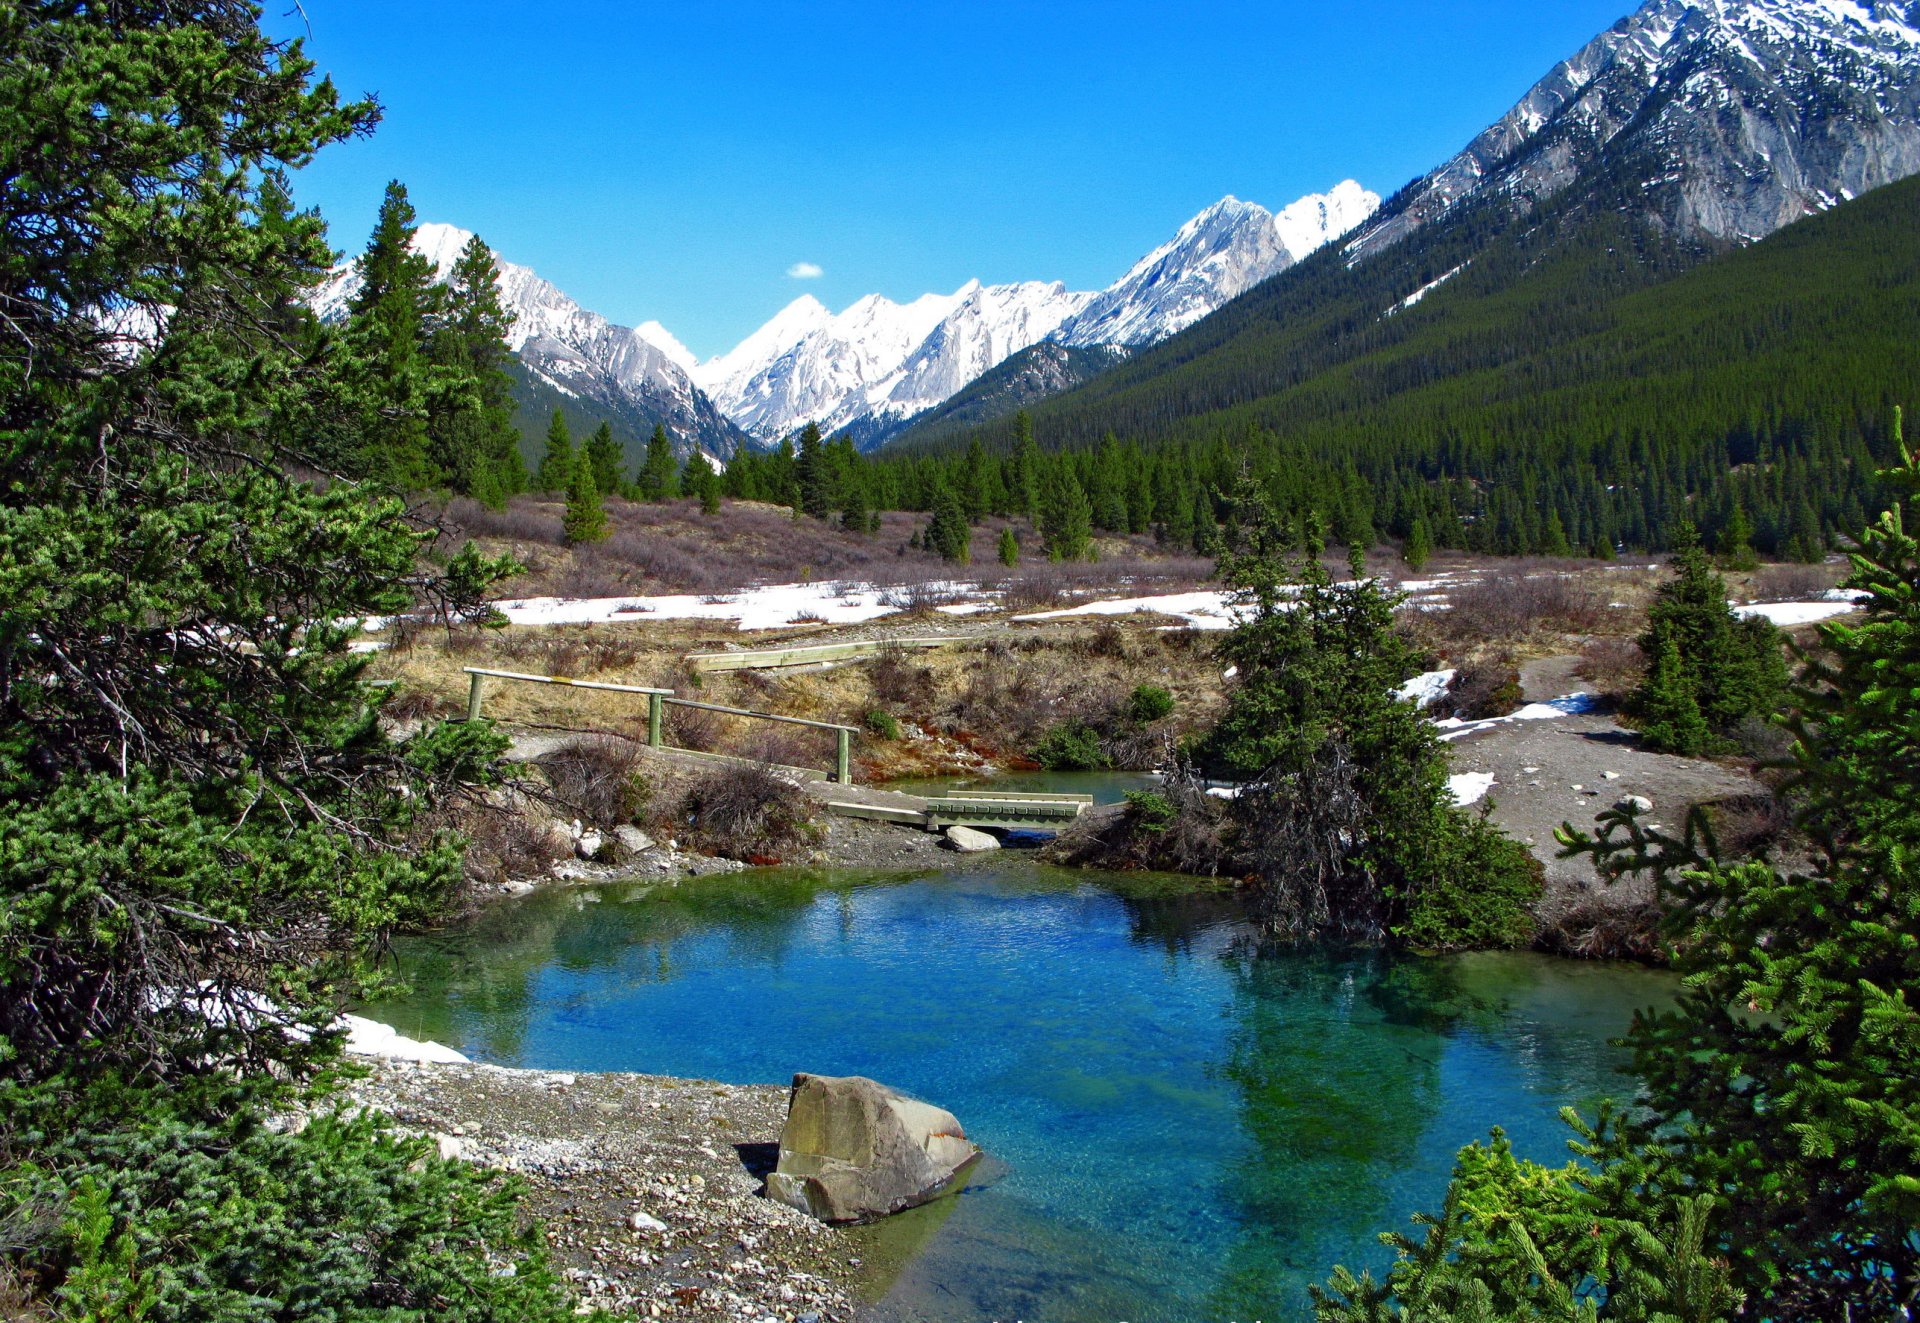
(1426, 289)
(370, 1038)
(1795, 613)
(1206, 609)
(1469, 787)
(1425, 690)
(774, 606)
(1453, 728)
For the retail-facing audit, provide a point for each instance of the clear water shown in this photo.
(1181, 1124)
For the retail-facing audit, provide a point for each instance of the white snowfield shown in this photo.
(1469, 787)
(1426, 689)
(1568, 705)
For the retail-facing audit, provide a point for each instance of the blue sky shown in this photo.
(675, 161)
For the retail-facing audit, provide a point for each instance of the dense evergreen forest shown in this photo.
(1575, 381)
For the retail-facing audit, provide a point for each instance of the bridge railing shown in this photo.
(657, 701)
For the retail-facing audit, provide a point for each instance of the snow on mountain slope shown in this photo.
(1740, 115)
(641, 369)
(858, 372)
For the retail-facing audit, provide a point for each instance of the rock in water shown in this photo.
(854, 1149)
(967, 840)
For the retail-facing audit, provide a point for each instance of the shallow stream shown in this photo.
(1182, 1124)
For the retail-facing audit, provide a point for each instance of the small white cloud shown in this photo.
(805, 271)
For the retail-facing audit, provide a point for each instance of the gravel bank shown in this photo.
(649, 1187)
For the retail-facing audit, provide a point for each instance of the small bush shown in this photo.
(695, 728)
(881, 725)
(1473, 888)
(1071, 746)
(1150, 811)
(504, 844)
(1483, 690)
(1149, 703)
(746, 812)
(898, 682)
(597, 776)
(1614, 667)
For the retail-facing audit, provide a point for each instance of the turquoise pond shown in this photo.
(1182, 1125)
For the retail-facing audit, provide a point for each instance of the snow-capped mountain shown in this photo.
(639, 373)
(878, 364)
(1218, 255)
(1736, 116)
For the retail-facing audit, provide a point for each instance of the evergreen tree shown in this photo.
(389, 321)
(556, 465)
(812, 479)
(1009, 547)
(948, 533)
(853, 508)
(470, 420)
(585, 519)
(205, 815)
(1734, 545)
(1066, 518)
(1024, 476)
(659, 471)
(1419, 546)
(603, 456)
(699, 480)
(1734, 667)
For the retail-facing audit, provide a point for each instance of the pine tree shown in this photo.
(556, 465)
(1024, 479)
(853, 508)
(1734, 545)
(585, 519)
(1009, 548)
(948, 532)
(1668, 706)
(602, 454)
(1419, 546)
(659, 471)
(1066, 518)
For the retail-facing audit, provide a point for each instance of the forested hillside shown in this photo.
(1576, 368)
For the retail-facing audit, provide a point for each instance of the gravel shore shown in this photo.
(649, 1187)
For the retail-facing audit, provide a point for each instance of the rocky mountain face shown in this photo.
(638, 376)
(878, 365)
(1734, 117)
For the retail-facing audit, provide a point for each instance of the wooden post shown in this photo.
(473, 697)
(656, 710)
(843, 763)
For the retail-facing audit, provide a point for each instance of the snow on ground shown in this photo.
(1453, 728)
(1207, 609)
(1424, 690)
(1795, 613)
(1469, 787)
(772, 607)
(370, 1038)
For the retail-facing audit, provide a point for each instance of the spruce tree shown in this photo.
(585, 518)
(699, 480)
(472, 437)
(1009, 548)
(1668, 705)
(557, 464)
(853, 508)
(659, 472)
(1066, 518)
(1734, 545)
(948, 532)
(812, 479)
(603, 455)
(389, 321)
(1024, 481)
(1419, 546)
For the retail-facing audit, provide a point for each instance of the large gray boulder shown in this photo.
(970, 840)
(853, 1149)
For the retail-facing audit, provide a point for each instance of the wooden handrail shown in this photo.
(764, 716)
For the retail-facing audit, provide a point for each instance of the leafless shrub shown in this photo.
(1484, 689)
(1614, 667)
(406, 702)
(1300, 834)
(807, 618)
(1793, 583)
(780, 745)
(746, 812)
(1042, 588)
(597, 777)
(504, 844)
(922, 598)
(900, 682)
(519, 522)
(1592, 931)
(1514, 606)
(695, 728)
(1751, 826)
(1105, 639)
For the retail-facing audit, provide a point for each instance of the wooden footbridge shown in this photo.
(993, 810)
